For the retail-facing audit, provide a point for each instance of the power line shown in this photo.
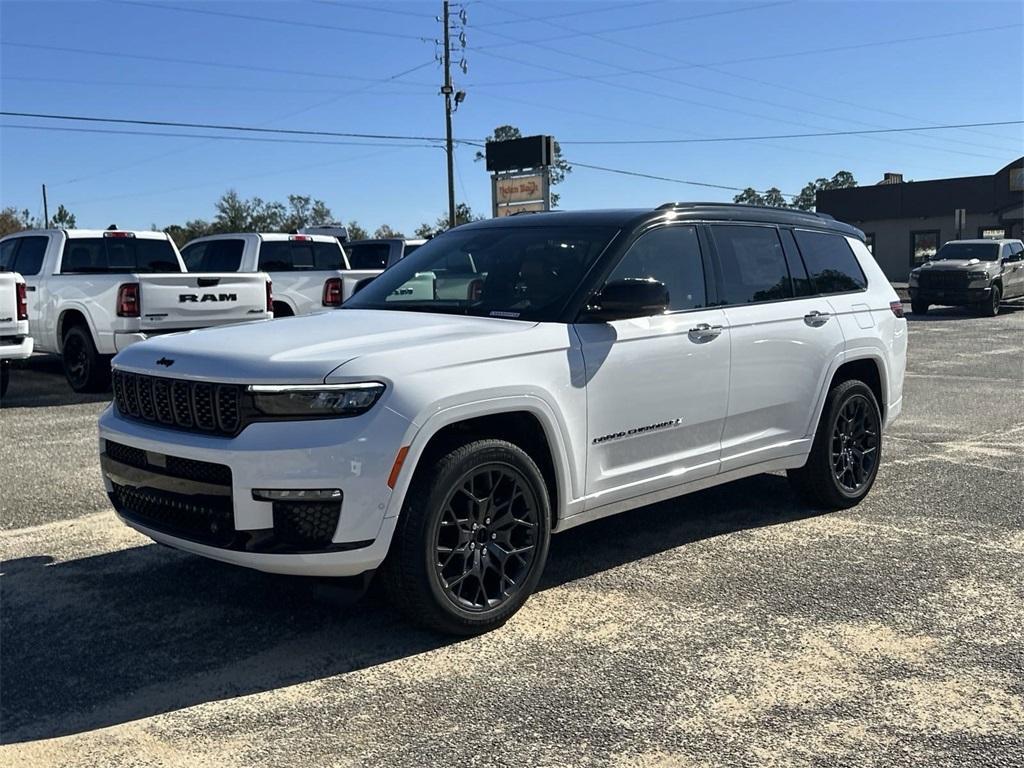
(750, 59)
(642, 175)
(957, 126)
(270, 20)
(661, 54)
(197, 62)
(219, 127)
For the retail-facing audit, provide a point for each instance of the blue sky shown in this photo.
(583, 72)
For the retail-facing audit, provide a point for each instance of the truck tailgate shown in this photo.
(9, 325)
(184, 300)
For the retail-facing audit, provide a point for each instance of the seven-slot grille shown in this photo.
(197, 406)
(950, 279)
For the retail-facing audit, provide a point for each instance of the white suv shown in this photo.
(564, 367)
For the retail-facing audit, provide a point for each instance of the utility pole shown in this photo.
(46, 211)
(447, 90)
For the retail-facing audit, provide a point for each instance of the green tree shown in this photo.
(424, 230)
(385, 231)
(13, 220)
(356, 232)
(63, 218)
(806, 199)
(190, 230)
(559, 169)
(749, 196)
(774, 198)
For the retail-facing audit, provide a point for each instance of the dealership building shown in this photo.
(905, 222)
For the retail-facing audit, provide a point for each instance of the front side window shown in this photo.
(753, 264)
(515, 272)
(923, 246)
(214, 256)
(830, 261)
(670, 255)
(97, 255)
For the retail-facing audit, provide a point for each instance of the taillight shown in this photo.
(300, 238)
(22, 301)
(897, 308)
(332, 292)
(475, 289)
(270, 296)
(128, 300)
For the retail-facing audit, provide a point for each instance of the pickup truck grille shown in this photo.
(196, 406)
(943, 279)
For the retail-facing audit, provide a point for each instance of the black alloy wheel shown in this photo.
(855, 444)
(86, 370)
(486, 537)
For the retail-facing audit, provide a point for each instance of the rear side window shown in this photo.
(97, 255)
(670, 255)
(369, 255)
(299, 255)
(214, 256)
(753, 264)
(23, 254)
(830, 262)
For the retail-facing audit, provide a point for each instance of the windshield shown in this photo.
(966, 251)
(521, 273)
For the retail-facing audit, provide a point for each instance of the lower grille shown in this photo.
(303, 525)
(204, 519)
(175, 466)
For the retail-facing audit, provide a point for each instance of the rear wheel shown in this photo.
(919, 307)
(85, 368)
(844, 458)
(990, 307)
(5, 376)
(471, 540)
(282, 310)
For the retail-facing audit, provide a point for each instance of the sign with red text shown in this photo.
(518, 189)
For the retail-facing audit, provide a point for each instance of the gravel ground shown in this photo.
(730, 627)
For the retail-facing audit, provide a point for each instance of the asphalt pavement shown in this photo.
(731, 627)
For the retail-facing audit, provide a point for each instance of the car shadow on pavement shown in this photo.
(941, 314)
(39, 382)
(104, 640)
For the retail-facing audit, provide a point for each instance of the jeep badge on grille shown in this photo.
(165, 361)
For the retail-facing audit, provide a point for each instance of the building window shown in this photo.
(992, 233)
(869, 241)
(923, 245)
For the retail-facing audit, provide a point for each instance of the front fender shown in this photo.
(423, 429)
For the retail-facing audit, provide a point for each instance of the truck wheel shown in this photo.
(919, 307)
(5, 376)
(847, 448)
(282, 310)
(86, 369)
(471, 540)
(990, 308)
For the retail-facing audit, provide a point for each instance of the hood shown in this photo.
(949, 265)
(304, 350)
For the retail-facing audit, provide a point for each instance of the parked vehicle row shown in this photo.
(510, 379)
(91, 293)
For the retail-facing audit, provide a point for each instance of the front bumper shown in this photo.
(950, 296)
(15, 347)
(195, 491)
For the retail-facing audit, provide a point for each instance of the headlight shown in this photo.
(316, 400)
(914, 274)
(972, 276)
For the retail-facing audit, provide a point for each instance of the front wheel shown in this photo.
(85, 368)
(471, 540)
(990, 308)
(847, 448)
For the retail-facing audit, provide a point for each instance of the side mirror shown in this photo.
(632, 297)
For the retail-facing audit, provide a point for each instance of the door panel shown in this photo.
(656, 402)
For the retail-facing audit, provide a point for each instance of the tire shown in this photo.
(5, 377)
(282, 310)
(85, 368)
(990, 308)
(437, 521)
(834, 481)
(919, 307)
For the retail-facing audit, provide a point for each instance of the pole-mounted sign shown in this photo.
(520, 180)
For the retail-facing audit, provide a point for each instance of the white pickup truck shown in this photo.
(309, 272)
(91, 293)
(380, 252)
(15, 343)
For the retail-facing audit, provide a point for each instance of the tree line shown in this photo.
(773, 197)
